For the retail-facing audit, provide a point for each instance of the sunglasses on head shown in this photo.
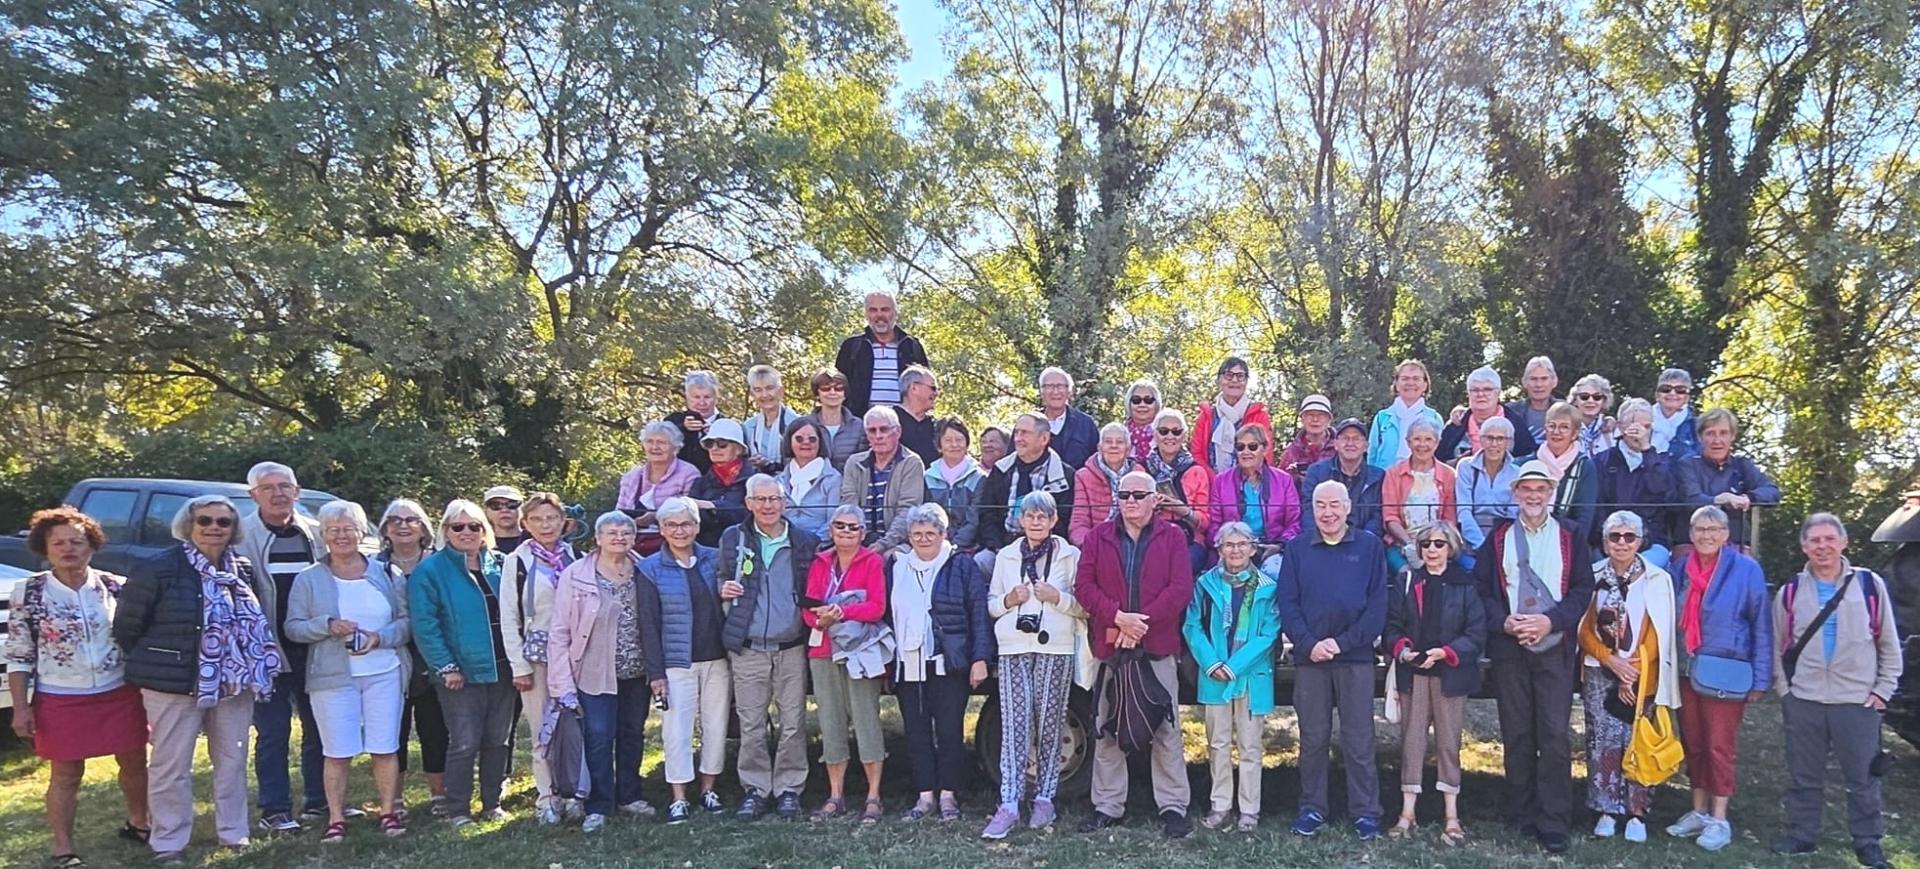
(464, 527)
(1172, 432)
(213, 521)
(1144, 399)
(1132, 494)
(1623, 537)
(1676, 389)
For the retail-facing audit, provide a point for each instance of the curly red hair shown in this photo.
(44, 521)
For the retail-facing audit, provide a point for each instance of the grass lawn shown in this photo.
(722, 842)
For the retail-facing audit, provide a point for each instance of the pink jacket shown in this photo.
(1092, 498)
(1282, 508)
(865, 573)
(576, 611)
(1399, 481)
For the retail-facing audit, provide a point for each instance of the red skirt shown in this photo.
(79, 726)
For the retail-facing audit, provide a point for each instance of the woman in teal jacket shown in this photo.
(1231, 627)
(454, 602)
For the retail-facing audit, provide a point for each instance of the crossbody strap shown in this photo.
(1791, 659)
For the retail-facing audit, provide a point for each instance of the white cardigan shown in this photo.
(1064, 622)
(519, 614)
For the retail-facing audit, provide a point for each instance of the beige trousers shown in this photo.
(1229, 726)
(175, 722)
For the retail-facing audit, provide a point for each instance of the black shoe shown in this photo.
(1788, 846)
(279, 822)
(711, 804)
(751, 806)
(1871, 856)
(787, 806)
(132, 833)
(679, 812)
(1174, 825)
(1097, 822)
(1554, 843)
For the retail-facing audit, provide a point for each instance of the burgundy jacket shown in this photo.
(1166, 585)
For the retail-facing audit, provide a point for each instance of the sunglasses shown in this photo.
(404, 520)
(465, 527)
(848, 526)
(1434, 543)
(805, 439)
(213, 521)
(1172, 432)
(1249, 448)
(503, 505)
(1589, 396)
(1132, 495)
(1144, 399)
(1623, 537)
(1671, 389)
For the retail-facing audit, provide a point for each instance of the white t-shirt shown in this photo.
(362, 603)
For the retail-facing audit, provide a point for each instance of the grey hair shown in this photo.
(1116, 428)
(1039, 420)
(763, 375)
(1496, 423)
(881, 413)
(1675, 375)
(850, 511)
(928, 514)
(678, 506)
(265, 469)
(1233, 529)
(462, 507)
(1633, 406)
(406, 507)
(1135, 475)
(762, 481)
(1170, 412)
(1422, 423)
(884, 294)
(183, 517)
(1455, 543)
(666, 430)
(1709, 513)
(1624, 519)
(1054, 369)
(700, 378)
(1484, 376)
(1147, 385)
(1039, 502)
(342, 509)
(1815, 520)
(1540, 362)
(914, 374)
(1600, 385)
(1333, 487)
(612, 518)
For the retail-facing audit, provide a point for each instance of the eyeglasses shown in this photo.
(276, 487)
(1709, 529)
(465, 527)
(1589, 396)
(1234, 376)
(1675, 389)
(679, 525)
(1143, 399)
(1052, 386)
(1249, 448)
(1623, 537)
(213, 521)
(879, 429)
(503, 505)
(1131, 495)
(1172, 432)
(764, 499)
(1434, 543)
(1237, 544)
(1495, 437)
(848, 526)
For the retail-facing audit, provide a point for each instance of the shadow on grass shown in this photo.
(724, 842)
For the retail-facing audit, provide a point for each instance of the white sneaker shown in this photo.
(1604, 828)
(1690, 825)
(638, 808)
(593, 823)
(549, 811)
(1717, 835)
(1636, 830)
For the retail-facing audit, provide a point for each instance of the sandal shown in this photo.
(336, 833)
(874, 812)
(1402, 829)
(1454, 834)
(920, 810)
(834, 807)
(949, 808)
(68, 861)
(392, 825)
(132, 833)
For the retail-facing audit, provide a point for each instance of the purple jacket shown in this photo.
(1282, 500)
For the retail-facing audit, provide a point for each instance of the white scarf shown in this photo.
(1634, 457)
(1403, 415)
(955, 473)
(801, 478)
(1226, 424)
(912, 599)
(1665, 427)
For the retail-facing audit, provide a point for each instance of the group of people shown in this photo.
(865, 545)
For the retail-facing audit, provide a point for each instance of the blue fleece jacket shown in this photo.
(1334, 590)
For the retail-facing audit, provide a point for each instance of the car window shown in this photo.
(113, 509)
(157, 528)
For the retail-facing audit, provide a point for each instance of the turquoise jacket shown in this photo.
(1252, 663)
(451, 626)
(1384, 436)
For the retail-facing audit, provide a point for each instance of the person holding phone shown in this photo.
(846, 585)
(677, 596)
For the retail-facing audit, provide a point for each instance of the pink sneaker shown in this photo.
(1042, 815)
(1002, 823)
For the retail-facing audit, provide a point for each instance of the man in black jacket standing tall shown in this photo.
(874, 359)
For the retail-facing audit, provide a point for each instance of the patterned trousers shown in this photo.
(1033, 690)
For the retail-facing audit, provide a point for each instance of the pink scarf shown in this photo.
(1557, 465)
(556, 558)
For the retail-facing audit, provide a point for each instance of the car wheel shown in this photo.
(1076, 745)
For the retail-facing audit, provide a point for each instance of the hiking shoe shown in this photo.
(1636, 830)
(1717, 835)
(1003, 821)
(710, 803)
(1871, 855)
(638, 809)
(679, 812)
(1042, 816)
(1174, 824)
(787, 806)
(280, 822)
(1308, 822)
(1690, 825)
(1098, 821)
(549, 812)
(593, 823)
(751, 806)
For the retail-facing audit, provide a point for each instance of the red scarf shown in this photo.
(1699, 573)
(727, 472)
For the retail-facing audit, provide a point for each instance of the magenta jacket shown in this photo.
(1283, 505)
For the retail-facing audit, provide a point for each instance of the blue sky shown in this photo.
(922, 22)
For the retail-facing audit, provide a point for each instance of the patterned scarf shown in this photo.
(1610, 582)
(1031, 558)
(1113, 483)
(237, 649)
(1164, 471)
(556, 559)
(1248, 579)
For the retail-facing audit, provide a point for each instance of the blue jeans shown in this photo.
(615, 726)
(273, 732)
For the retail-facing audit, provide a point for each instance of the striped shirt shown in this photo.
(876, 500)
(886, 375)
(288, 554)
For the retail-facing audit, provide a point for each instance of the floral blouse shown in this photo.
(63, 637)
